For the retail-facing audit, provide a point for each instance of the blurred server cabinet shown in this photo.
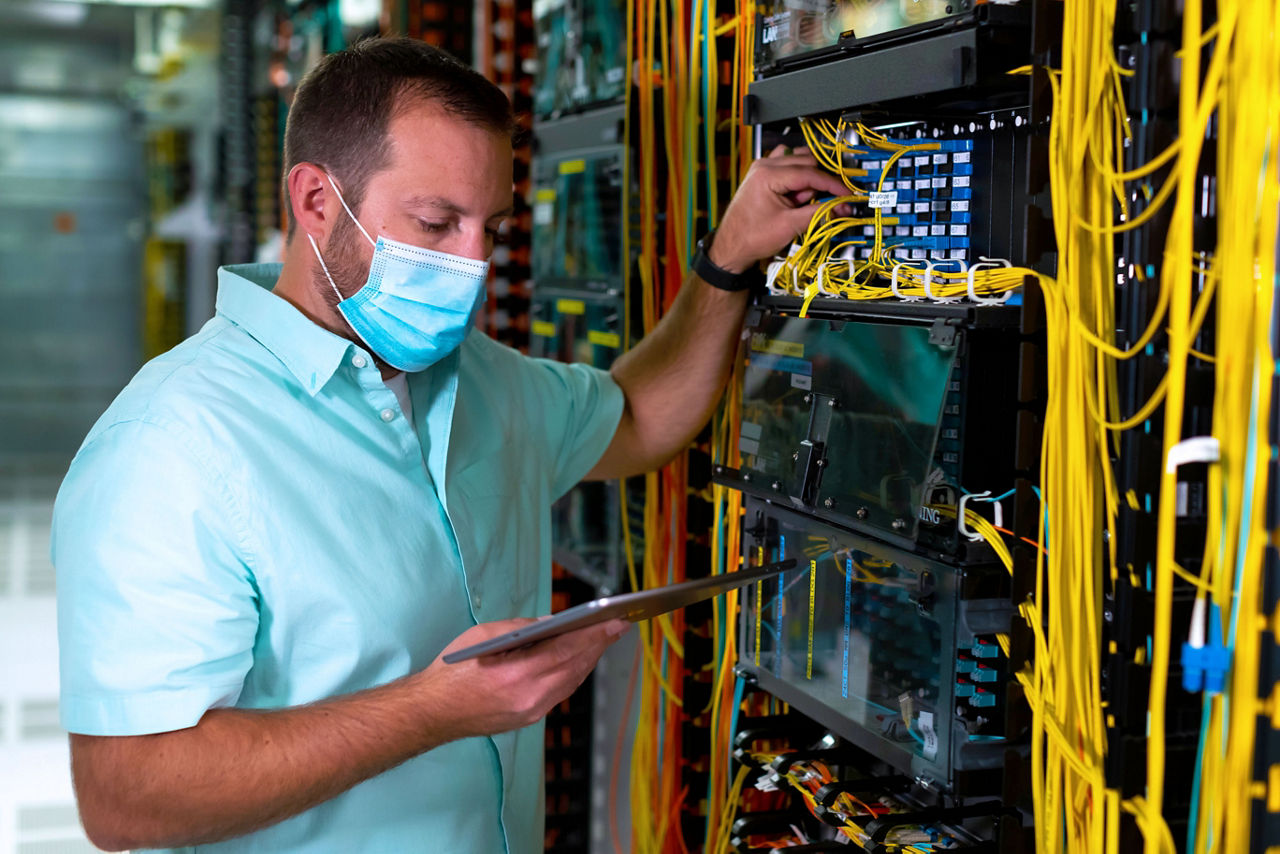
(582, 55)
(72, 220)
(580, 310)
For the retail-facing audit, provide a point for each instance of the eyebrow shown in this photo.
(444, 204)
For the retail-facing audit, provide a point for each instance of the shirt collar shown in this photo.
(311, 352)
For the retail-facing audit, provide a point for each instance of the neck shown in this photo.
(297, 286)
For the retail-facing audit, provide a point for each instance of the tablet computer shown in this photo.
(641, 605)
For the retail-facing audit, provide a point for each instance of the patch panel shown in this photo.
(890, 650)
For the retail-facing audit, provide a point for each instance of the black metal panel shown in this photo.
(584, 130)
(970, 57)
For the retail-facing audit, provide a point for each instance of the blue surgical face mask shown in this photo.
(416, 306)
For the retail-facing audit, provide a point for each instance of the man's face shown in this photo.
(448, 187)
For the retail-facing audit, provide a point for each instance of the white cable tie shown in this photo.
(893, 284)
(984, 261)
(1197, 449)
(771, 277)
(971, 536)
(994, 502)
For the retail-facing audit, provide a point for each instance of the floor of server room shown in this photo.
(37, 808)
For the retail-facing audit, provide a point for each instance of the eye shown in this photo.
(433, 227)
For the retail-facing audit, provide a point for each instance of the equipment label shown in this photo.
(605, 339)
(543, 328)
(762, 344)
(880, 201)
(776, 28)
(930, 750)
(802, 381)
(571, 306)
(573, 167)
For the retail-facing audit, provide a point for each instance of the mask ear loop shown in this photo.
(324, 267)
(338, 193)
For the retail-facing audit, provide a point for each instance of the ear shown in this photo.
(314, 204)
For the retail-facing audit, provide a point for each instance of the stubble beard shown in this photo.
(349, 272)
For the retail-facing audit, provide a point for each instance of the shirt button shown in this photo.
(475, 599)
(359, 361)
(388, 415)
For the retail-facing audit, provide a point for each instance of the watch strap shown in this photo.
(718, 277)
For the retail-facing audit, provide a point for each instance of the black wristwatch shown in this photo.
(719, 277)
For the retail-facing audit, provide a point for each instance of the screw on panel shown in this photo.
(862, 513)
(899, 524)
(808, 398)
(829, 503)
(776, 485)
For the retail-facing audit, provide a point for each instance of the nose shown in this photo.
(476, 244)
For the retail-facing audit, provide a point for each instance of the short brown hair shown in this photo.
(343, 107)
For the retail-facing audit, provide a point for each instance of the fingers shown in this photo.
(795, 178)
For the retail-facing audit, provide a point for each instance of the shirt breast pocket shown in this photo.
(495, 514)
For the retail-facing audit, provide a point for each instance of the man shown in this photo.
(269, 538)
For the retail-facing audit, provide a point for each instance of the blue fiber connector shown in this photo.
(1205, 662)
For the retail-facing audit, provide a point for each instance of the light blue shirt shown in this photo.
(251, 524)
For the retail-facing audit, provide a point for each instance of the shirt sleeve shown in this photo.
(157, 609)
(581, 407)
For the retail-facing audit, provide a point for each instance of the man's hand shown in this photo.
(514, 689)
(239, 770)
(770, 208)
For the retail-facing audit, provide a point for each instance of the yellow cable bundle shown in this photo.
(1074, 811)
(1248, 186)
(675, 66)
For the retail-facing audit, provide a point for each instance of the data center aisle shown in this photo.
(37, 809)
